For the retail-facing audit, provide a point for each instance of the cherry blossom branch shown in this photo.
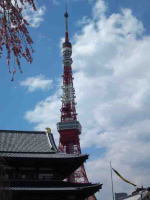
(14, 35)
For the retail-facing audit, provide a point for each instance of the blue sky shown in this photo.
(47, 61)
(111, 46)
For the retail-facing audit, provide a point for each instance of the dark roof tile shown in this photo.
(26, 141)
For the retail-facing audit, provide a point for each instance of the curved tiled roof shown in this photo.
(26, 142)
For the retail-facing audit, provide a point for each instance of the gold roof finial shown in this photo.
(48, 130)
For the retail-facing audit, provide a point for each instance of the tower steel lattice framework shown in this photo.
(69, 127)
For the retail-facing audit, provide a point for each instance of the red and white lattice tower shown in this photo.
(69, 127)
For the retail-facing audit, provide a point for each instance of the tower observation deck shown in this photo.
(69, 127)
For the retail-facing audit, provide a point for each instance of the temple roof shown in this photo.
(26, 145)
(73, 188)
(36, 149)
(62, 189)
(41, 155)
(26, 142)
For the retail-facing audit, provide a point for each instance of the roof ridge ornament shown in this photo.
(48, 130)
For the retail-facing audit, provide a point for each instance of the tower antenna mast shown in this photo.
(66, 15)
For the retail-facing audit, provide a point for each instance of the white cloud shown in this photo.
(112, 75)
(48, 110)
(34, 18)
(35, 83)
(99, 9)
(55, 2)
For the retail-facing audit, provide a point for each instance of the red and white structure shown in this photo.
(69, 127)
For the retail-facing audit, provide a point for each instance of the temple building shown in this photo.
(36, 170)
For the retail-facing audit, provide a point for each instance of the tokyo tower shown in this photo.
(69, 127)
